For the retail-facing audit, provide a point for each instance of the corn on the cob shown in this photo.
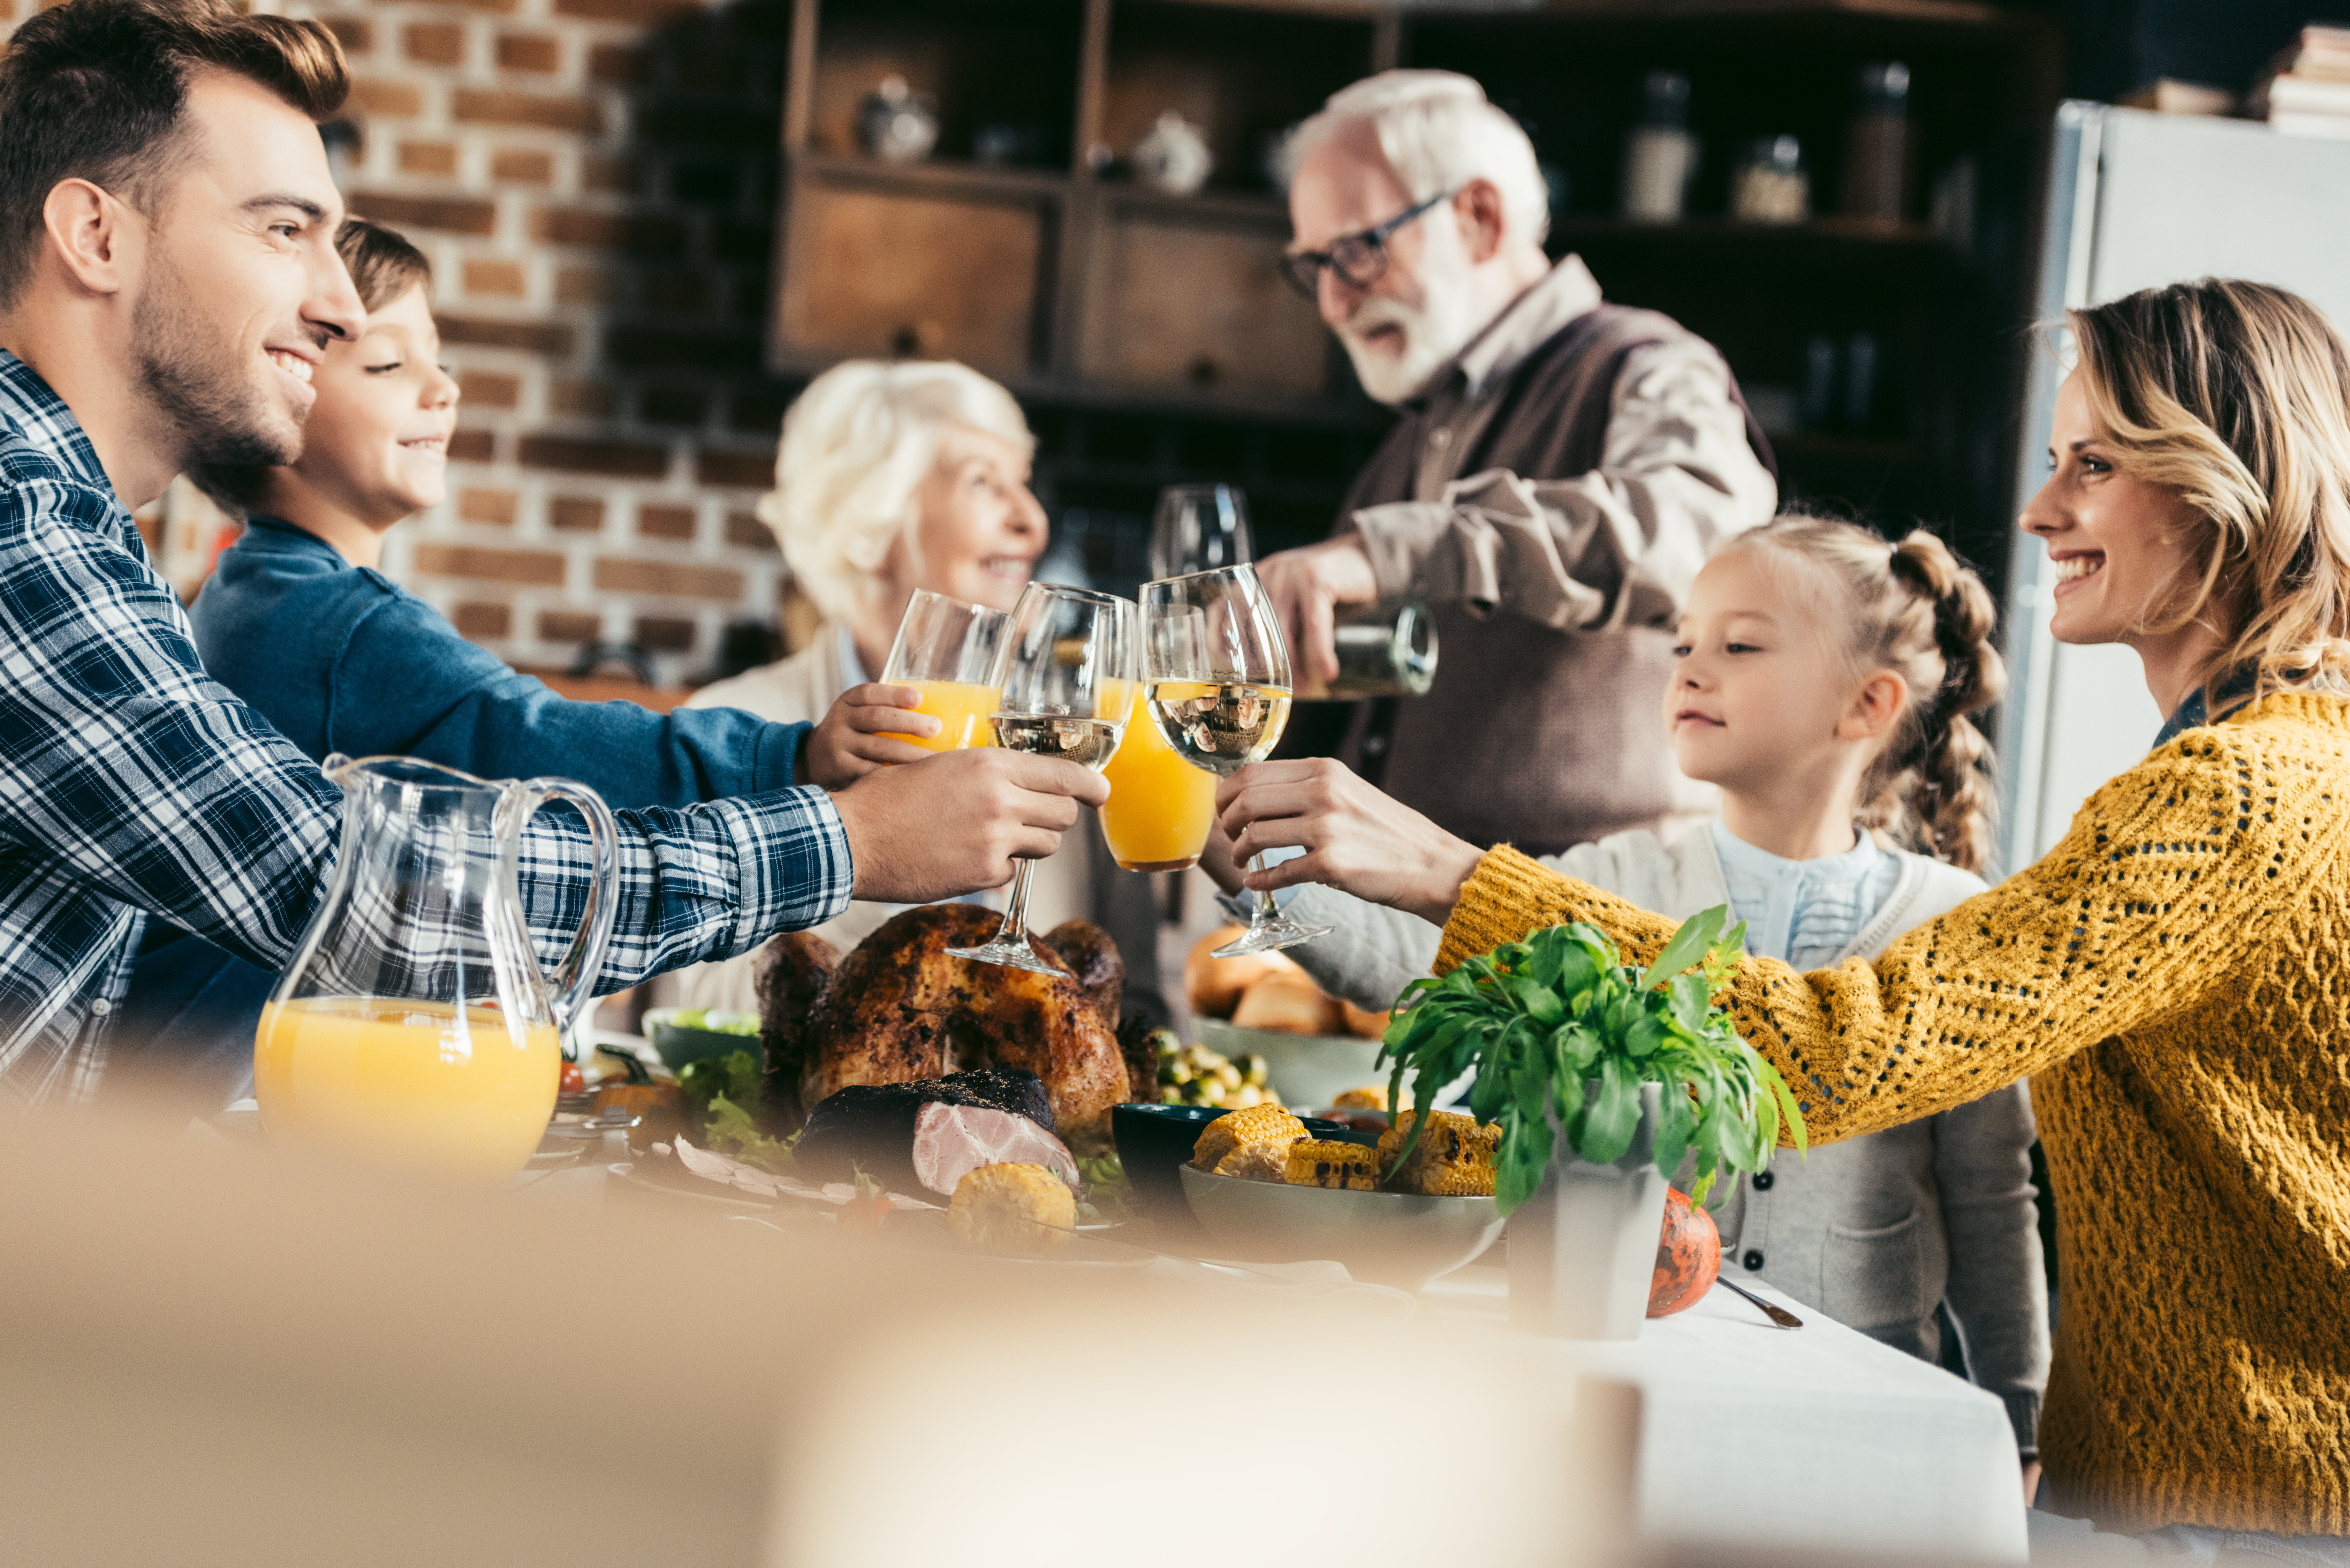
(1314, 1163)
(1013, 1208)
(1263, 1161)
(1370, 1097)
(1257, 1124)
(1454, 1159)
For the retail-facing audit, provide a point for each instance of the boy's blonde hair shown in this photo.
(2237, 396)
(1917, 609)
(856, 446)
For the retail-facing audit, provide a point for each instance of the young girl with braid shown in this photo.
(2170, 975)
(1824, 682)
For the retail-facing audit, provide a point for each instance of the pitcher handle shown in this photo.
(574, 977)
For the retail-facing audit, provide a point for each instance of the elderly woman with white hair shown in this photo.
(893, 476)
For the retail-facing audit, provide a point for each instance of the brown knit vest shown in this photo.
(1538, 738)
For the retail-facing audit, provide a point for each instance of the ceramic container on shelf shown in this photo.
(1583, 1248)
(1661, 156)
(897, 124)
(1173, 156)
(1772, 185)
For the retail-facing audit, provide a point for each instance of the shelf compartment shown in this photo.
(1190, 299)
(887, 267)
(1243, 73)
(988, 62)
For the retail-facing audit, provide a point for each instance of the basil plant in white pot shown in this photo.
(1603, 1079)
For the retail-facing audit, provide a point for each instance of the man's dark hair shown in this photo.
(97, 89)
(383, 266)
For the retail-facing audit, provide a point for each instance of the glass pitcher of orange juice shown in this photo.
(415, 1025)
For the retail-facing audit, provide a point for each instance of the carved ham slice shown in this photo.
(952, 1141)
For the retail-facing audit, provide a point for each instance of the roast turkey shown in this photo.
(899, 1010)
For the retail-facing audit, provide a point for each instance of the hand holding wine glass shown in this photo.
(1216, 681)
(1064, 679)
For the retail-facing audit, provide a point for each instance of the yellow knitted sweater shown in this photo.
(2175, 976)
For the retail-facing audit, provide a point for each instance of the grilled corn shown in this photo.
(1314, 1163)
(1454, 1159)
(1257, 1124)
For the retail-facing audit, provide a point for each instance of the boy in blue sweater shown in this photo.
(297, 621)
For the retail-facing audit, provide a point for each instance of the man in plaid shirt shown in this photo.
(167, 280)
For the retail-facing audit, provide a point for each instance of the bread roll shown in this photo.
(1287, 1005)
(1213, 985)
(1369, 1025)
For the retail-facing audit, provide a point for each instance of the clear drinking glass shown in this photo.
(1215, 674)
(946, 650)
(1199, 528)
(1066, 679)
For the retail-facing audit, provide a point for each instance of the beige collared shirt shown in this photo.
(1676, 477)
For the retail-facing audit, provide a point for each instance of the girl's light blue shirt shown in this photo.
(1804, 912)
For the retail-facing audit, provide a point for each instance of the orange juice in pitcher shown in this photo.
(416, 1082)
(414, 1025)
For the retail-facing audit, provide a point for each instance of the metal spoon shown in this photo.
(1780, 1316)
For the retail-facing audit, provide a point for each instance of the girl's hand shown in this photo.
(855, 738)
(1356, 840)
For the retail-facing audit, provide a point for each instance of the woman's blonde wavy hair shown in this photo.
(2237, 396)
(856, 445)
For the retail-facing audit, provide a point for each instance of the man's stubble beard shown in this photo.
(203, 387)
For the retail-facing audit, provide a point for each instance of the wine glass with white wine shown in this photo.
(1215, 673)
(1065, 682)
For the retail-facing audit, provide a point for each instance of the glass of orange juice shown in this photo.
(946, 650)
(1160, 806)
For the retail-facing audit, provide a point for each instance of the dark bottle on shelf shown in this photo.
(1876, 147)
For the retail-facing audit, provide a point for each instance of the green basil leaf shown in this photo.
(1687, 945)
(1525, 1157)
(1676, 1123)
(1613, 1117)
(1644, 1036)
(1692, 1000)
(1789, 1110)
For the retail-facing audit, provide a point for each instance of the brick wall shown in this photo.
(594, 182)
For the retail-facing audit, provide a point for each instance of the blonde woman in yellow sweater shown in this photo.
(2174, 976)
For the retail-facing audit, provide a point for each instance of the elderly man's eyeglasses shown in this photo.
(1360, 260)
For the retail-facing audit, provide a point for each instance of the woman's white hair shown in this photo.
(1439, 132)
(856, 446)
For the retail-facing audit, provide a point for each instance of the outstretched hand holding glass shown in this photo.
(1215, 675)
(1064, 685)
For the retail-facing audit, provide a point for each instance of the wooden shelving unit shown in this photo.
(1161, 318)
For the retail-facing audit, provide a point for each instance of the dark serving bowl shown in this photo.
(1154, 1144)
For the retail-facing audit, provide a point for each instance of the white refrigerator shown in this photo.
(2136, 199)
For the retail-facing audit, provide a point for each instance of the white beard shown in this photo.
(1436, 326)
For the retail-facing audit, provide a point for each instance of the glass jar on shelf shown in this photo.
(1771, 184)
(1876, 148)
(1662, 155)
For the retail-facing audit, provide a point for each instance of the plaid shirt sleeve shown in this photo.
(130, 781)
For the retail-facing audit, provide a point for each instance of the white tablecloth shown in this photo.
(1765, 1439)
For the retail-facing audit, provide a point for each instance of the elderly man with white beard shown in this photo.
(1562, 469)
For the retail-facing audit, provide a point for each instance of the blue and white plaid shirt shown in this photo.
(130, 783)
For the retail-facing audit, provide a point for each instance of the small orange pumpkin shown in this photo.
(1689, 1257)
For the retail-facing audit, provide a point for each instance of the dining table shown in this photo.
(1756, 1439)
